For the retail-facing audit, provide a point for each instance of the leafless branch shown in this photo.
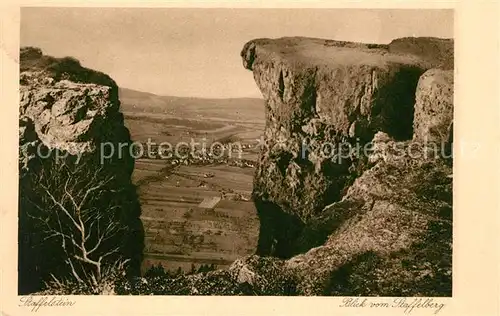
(84, 229)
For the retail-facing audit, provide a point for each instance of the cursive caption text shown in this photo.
(407, 305)
(34, 303)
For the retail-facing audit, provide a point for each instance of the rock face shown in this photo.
(66, 113)
(322, 98)
(66, 106)
(389, 235)
(353, 206)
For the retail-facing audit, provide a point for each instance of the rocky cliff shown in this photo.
(323, 99)
(354, 183)
(346, 182)
(71, 186)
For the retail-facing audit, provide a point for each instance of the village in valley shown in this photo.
(196, 200)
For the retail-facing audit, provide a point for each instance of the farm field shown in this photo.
(179, 232)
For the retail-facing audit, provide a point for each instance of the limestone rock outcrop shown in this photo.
(324, 97)
(71, 108)
(377, 195)
(66, 112)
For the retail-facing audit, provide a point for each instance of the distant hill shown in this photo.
(232, 108)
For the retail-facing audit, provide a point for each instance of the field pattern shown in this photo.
(179, 233)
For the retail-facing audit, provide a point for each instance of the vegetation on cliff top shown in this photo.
(66, 68)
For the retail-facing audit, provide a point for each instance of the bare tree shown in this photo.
(75, 210)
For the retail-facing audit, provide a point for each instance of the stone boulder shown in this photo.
(434, 107)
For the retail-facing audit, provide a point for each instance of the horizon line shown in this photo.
(194, 97)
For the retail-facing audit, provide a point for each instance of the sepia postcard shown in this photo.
(185, 158)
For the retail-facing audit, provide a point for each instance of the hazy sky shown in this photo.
(196, 52)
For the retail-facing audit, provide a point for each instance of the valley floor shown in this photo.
(179, 231)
